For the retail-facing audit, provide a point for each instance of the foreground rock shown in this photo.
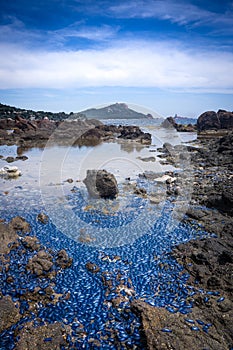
(101, 183)
(9, 313)
(166, 331)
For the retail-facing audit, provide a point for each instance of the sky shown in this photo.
(169, 56)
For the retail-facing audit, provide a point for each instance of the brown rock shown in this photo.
(92, 267)
(41, 263)
(9, 313)
(31, 243)
(156, 320)
(7, 237)
(47, 337)
(63, 260)
(20, 224)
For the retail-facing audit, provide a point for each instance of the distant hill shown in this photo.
(115, 111)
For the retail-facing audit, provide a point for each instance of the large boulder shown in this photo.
(226, 119)
(101, 183)
(214, 121)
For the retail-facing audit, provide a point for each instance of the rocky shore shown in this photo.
(29, 269)
(208, 261)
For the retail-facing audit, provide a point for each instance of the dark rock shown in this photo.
(214, 121)
(226, 119)
(147, 159)
(21, 158)
(101, 183)
(208, 121)
(223, 198)
(134, 133)
(43, 218)
(168, 123)
(92, 267)
(63, 260)
(70, 181)
(140, 191)
(9, 159)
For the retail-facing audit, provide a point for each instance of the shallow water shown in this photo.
(141, 234)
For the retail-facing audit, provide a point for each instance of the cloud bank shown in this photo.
(159, 64)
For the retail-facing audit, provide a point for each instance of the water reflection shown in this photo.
(130, 147)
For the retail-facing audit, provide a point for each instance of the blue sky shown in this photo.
(68, 55)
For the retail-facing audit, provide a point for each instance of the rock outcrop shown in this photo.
(134, 133)
(101, 183)
(212, 120)
(170, 123)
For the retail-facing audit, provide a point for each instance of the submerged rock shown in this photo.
(43, 218)
(101, 183)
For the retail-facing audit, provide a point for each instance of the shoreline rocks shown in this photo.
(208, 261)
(87, 132)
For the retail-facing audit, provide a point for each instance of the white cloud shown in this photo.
(135, 64)
(78, 30)
(180, 12)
